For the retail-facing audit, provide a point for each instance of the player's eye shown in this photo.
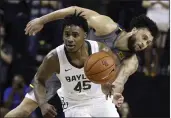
(67, 34)
(144, 37)
(149, 42)
(75, 35)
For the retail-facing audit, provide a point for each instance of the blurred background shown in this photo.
(146, 92)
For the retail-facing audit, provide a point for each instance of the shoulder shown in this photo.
(50, 63)
(51, 56)
(103, 47)
(51, 59)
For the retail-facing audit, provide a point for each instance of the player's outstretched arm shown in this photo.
(49, 66)
(128, 67)
(102, 24)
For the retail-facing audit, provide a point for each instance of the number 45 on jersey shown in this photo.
(83, 85)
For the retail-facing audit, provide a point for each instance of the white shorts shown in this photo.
(31, 96)
(96, 107)
(99, 109)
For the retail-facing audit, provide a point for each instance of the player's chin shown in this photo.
(138, 50)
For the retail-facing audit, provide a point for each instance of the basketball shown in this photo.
(100, 68)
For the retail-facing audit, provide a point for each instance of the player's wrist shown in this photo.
(118, 87)
(42, 20)
(42, 104)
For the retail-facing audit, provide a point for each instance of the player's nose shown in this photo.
(70, 40)
(141, 45)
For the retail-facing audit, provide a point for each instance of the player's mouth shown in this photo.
(70, 47)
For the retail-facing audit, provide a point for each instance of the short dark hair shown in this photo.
(143, 21)
(76, 19)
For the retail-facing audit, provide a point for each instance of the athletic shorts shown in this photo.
(95, 107)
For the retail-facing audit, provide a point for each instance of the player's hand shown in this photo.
(107, 89)
(34, 26)
(118, 99)
(48, 111)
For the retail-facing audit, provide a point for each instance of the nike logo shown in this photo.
(67, 69)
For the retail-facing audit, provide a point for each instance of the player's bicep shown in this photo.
(102, 24)
(49, 66)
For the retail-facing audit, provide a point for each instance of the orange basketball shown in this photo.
(100, 68)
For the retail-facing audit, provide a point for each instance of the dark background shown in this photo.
(147, 96)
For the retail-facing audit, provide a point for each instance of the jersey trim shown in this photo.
(69, 59)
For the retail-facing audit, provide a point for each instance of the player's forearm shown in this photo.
(122, 77)
(40, 91)
(58, 14)
(120, 81)
(62, 13)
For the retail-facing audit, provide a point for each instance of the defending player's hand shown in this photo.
(118, 99)
(107, 90)
(48, 111)
(34, 26)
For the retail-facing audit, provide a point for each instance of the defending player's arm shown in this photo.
(102, 24)
(128, 67)
(44, 72)
(123, 71)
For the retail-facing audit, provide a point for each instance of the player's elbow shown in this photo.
(74, 7)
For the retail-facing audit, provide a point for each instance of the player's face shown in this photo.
(73, 37)
(140, 39)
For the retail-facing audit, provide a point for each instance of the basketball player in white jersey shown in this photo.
(79, 96)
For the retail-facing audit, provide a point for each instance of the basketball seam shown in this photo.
(96, 62)
(101, 71)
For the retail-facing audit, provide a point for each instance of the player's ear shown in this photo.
(85, 35)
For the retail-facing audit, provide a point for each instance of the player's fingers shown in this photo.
(117, 95)
(53, 108)
(118, 105)
(27, 30)
(27, 27)
(50, 115)
(53, 112)
(29, 23)
(31, 31)
(122, 98)
(35, 32)
(120, 102)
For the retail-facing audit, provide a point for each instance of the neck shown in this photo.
(122, 41)
(79, 53)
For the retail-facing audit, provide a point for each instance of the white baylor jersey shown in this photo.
(74, 84)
